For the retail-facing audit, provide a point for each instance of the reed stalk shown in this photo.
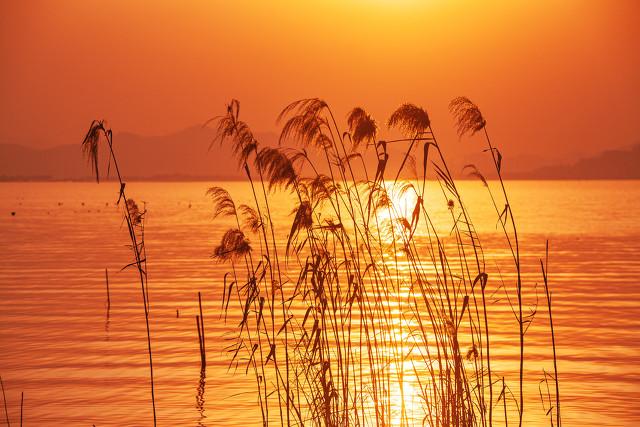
(545, 271)
(4, 401)
(135, 226)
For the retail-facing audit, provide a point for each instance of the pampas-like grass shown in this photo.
(365, 294)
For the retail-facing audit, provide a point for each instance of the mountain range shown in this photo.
(185, 155)
(189, 155)
(610, 164)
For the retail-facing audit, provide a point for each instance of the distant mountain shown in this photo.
(610, 164)
(182, 155)
(185, 155)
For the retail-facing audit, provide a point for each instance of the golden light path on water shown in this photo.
(81, 364)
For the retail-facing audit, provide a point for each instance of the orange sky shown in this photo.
(554, 78)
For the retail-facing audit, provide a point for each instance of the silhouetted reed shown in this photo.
(545, 269)
(133, 216)
(469, 121)
(362, 301)
(4, 401)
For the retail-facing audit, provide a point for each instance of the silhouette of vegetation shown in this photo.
(362, 299)
(133, 216)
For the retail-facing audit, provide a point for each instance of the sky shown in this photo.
(554, 79)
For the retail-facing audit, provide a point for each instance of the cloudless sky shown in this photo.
(554, 78)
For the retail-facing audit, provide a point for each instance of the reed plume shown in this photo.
(468, 117)
(223, 204)
(234, 244)
(410, 119)
(276, 167)
(362, 126)
(306, 124)
(230, 127)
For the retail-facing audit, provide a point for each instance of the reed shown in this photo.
(134, 218)
(545, 271)
(4, 401)
(6, 410)
(363, 306)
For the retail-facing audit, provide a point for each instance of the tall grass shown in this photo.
(362, 303)
(134, 218)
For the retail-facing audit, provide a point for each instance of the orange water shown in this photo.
(81, 364)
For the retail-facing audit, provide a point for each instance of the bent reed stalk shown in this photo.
(363, 301)
(135, 219)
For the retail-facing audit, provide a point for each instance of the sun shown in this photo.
(394, 214)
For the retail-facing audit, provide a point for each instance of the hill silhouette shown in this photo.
(182, 155)
(610, 164)
(185, 155)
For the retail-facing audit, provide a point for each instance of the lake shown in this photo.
(80, 363)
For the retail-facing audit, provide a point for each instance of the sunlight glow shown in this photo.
(394, 218)
(405, 398)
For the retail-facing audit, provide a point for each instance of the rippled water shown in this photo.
(81, 364)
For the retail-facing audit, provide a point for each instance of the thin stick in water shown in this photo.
(202, 326)
(106, 276)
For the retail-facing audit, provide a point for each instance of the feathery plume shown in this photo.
(234, 244)
(306, 125)
(134, 212)
(230, 127)
(90, 145)
(251, 218)
(410, 119)
(223, 204)
(468, 116)
(362, 126)
(277, 167)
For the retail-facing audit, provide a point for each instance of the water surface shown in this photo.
(81, 364)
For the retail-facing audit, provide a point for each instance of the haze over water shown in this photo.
(81, 364)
